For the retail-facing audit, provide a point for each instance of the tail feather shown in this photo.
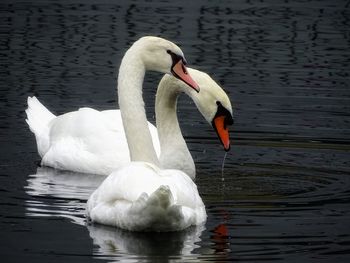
(38, 119)
(157, 211)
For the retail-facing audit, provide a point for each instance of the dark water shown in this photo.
(285, 65)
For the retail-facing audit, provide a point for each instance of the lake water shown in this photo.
(285, 196)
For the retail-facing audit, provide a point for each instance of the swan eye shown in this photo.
(175, 57)
(222, 111)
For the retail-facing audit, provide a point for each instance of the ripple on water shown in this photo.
(259, 212)
(282, 204)
(60, 193)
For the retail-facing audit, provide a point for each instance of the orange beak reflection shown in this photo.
(179, 71)
(222, 131)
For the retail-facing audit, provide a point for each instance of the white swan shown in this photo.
(140, 195)
(92, 141)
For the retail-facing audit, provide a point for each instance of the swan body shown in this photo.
(84, 141)
(141, 196)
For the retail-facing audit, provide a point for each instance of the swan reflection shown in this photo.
(58, 193)
(55, 193)
(62, 184)
(113, 242)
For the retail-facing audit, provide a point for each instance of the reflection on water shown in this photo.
(113, 243)
(60, 193)
(285, 65)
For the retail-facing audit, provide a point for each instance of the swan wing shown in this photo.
(114, 117)
(85, 141)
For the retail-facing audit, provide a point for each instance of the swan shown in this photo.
(141, 196)
(91, 141)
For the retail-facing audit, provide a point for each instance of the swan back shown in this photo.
(140, 196)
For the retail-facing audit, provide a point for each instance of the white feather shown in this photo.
(38, 120)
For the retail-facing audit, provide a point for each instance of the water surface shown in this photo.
(285, 65)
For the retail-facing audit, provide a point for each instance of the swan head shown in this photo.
(161, 55)
(214, 104)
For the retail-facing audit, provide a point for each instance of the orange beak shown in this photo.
(179, 71)
(222, 131)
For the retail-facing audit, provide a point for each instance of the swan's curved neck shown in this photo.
(174, 151)
(130, 80)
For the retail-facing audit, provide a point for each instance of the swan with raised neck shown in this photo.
(140, 195)
(148, 53)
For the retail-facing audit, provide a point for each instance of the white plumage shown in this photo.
(140, 196)
(84, 141)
